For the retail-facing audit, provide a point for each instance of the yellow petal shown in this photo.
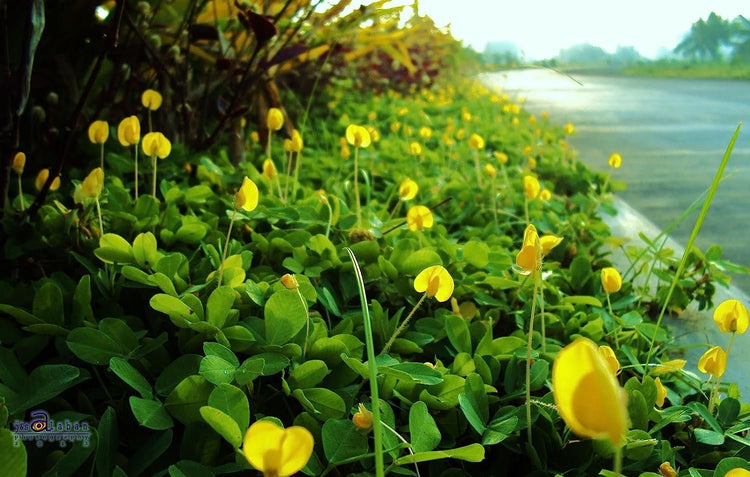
(415, 148)
(610, 358)
(247, 197)
(261, 440)
(408, 189)
(156, 144)
(669, 367)
(476, 141)
(19, 162)
(548, 242)
(41, 179)
(490, 170)
(363, 419)
(661, 392)
(269, 169)
(275, 119)
(98, 132)
(611, 280)
(587, 395)
(529, 258)
(501, 157)
(358, 136)
(615, 160)
(530, 187)
(436, 281)
(295, 450)
(544, 195)
(731, 316)
(713, 362)
(419, 217)
(129, 131)
(151, 99)
(297, 142)
(738, 472)
(91, 187)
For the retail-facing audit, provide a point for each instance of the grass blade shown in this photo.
(377, 428)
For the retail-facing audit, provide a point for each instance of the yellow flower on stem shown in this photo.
(731, 317)
(419, 217)
(374, 134)
(529, 259)
(549, 242)
(476, 143)
(275, 119)
(587, 395)
(415, 149)
(358, 137)
(490, 170)
(19, 162)
(98, 134)
(408, 189)
(154, 145)
(151, 100)
(246, 199)
(129, 134)
(289, 282)
(713, 362)
(275, 451)
(91, 188)
(611, 280)
(501, 157)
(434, 281)
(615, 160)
(610, 358)
(295, 145)
(569, 129)
(531, 187)
(345, 153)
(738, 472)
(255, 137)
(425, 132)
(41, 179)
(269, 169)
(661, 392)
(545, 195)
(362, 419)
(669, 367)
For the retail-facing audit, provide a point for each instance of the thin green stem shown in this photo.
(494, 201)
(693, 236)
(330, 218)
(99, 213)
(288, 174)
(526, 208)
(136, 172)
(150, 127)
(617, 330)
(296, 174)
(153, 186)
(395, 208)
(307, 322)
(617, 462)
(403, 325)
(541, 303)
(356, 186)
(372, 369)
(528, 364)
(401, 438)
(226, 246)
(476, 166)
(714, 396)
(20, 192)
(101, 156)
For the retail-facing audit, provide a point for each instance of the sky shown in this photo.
(542, 27)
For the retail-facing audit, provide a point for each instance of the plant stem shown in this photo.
(226, 246)
(153, 186)
(541, 303)
(99, 212)
(526, 208)
(476, 165)
(288, 174)
(268, 145)
(395, 208)
(296, 174)
(307, 326)
(403, 325)
(617, 331)
(136, 172)
(528, 364)
(715, 391)
(330, 218)
(150, 127)
(401, 438)
(618, 460)
(20, 191)
(494, 202)
(505, 175)
(101, 156)
(356, 186)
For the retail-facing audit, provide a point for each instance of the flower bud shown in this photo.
(289, 282)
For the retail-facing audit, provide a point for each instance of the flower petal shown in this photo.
(260, 438)
(295, 450)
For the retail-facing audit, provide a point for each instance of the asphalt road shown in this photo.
(671, 134)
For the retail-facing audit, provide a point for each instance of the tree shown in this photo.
(705, 39)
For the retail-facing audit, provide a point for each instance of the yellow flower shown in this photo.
(403, 111)
(362, 419)
(609, 357)
(372, 116)
(374, 134)
(344, 148)
(466, 116)
(419, 217)
(490, 170)
(476, 141)
(548, 242)
(395, 126)
(527, 150)
(269, 169)
(129, 131)
(287, 145)
(247, 197)
(357, 136)
(151, 99)
(515, 121)
(569, 129)
(448, 140)
(532, 162)
(545, 115)
(611, 280)
(274, 119)
(425, 132)
(666, 470)
(661, 392)
(515, 109)
(296, 141)
(713, 362)
(275, 451)
(532, 119)
(587, 395)
(545, 195)
(731, 317)
(408, 189)
(436, 282)
(255, 137)
(738, 472)
(41, 179)
(615, 160)
(290, 282)
(156, 144)
(501, 157)
(19, 162)
(669, 367)
(460, 134)
(98, 132)
(415, 148)
(530, 256)
(531, 187)
(91, 187)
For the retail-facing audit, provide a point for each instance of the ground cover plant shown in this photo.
(407, 281)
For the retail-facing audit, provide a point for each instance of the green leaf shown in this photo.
(580, 272)
(131, 376)
(114, 249)
(250, 369)
(233, 402)
(474, 403)
(477, 254)
(418, 261)
(179, 369)
(443, 396)
(219, 304)
(151, 449)
(414, 372)
(22, 316)
(222, 352)
(217, 370)
(191, 233)
(285, 316)
(425, 435)
(43, 384)
(308, 374)
(82, 310)
(180, 314)
(94, 346)
(107, 432)
(186, 399)
(322, 403)
(150, 413)
(498, 430)
(709, 437)
(458, 333)
(471, 453)
(342, 441)
(729, 409)
(144, 250)
(539, 373)
(582, 300)
(729, 463)
(223, 424)
(13, 463)
(48, 304)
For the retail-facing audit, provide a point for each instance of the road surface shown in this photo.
(671, 134)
